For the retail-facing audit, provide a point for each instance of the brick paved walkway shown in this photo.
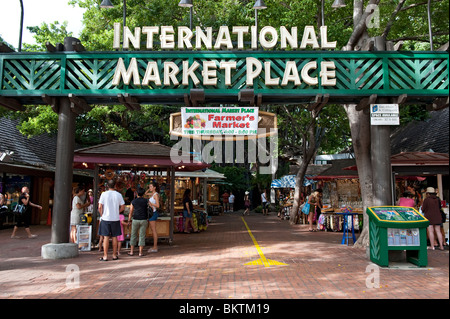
(211, 265)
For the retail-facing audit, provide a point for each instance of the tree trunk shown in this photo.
(360, 129)
(309, 150)
(360, 125)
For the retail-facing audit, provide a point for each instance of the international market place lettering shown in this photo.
(184, 39)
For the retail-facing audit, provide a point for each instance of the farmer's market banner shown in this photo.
(219, 120)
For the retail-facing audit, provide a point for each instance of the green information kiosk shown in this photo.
(397, 228)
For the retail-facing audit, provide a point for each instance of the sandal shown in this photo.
(130, 254)
(152, 250)
(115, 258)
(103, 259)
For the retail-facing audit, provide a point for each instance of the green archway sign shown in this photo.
(245, 75)
(27, 77)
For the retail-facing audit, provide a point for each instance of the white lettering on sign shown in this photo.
(188, 72)
(183, 38)
(209, 75)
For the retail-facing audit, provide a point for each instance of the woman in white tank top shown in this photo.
(153, 202)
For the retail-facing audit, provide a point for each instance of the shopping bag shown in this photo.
(305, 209)
(19, 209)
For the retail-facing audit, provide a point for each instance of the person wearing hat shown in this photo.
(246, 204)
(431, 210)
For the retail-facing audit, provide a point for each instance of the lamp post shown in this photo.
(190, 5)
(259, 5)
(338, 4)
(21, 26)
(108, 4)
(430, 32)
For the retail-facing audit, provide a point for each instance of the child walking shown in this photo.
(121, 238)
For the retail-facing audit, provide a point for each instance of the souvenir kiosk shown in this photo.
(134, 164)
(341, 192)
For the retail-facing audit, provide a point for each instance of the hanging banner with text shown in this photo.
(384, 114)
(219, 120)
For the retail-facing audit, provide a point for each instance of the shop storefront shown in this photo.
(133, 165)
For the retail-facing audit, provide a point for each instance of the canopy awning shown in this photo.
(288, 181)
(148, 155)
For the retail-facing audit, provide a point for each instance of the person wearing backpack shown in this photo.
(24, 218)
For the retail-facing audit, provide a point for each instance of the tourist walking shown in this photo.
(139, 222)
(110, 205)
(246, 204)
(121, 238)
(231, 201)
(225, 201)
(431, 210)
(188, 208)
(314, 200)
(153, 203)
(24, 219)
(264, 203)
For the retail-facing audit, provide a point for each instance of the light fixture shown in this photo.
(106, 4)
(185, 3)
(338, 4)
(259, 5)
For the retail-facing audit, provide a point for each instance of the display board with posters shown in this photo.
(84, 233)
(397, 228)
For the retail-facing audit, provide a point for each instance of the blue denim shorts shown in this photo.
(154, 217)
(186, 214)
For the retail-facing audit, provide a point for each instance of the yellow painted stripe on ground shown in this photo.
(263, 260)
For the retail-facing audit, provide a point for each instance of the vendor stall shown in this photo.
(282, 190)
(341, 191)
(136, 164)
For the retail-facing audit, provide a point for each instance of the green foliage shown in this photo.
(53, 33)
(409, 113)
(236, 176)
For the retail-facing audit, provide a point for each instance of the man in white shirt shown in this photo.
(110, 205)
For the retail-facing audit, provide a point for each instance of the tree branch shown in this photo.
(422, 38)
(360, 27)
(412, 6)
(392, 19)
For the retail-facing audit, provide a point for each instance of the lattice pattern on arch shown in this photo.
(418, 74)
(89, 74)
(358, 74)
(32, 74)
